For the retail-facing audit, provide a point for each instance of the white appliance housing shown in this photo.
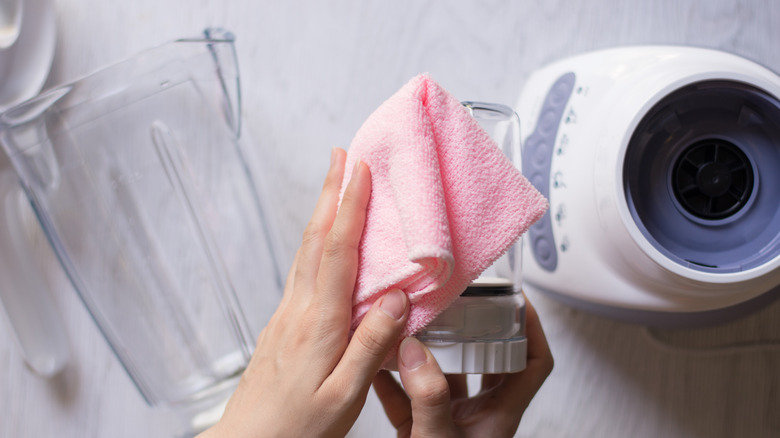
(662, 168)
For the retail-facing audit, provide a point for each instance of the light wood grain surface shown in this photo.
(312, 72)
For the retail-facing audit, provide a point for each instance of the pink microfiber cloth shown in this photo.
(445, 201)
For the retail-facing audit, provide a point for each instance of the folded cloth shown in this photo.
(445, 202)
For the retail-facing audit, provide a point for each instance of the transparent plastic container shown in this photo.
(483, 331)
(487, 310)
(139, 179)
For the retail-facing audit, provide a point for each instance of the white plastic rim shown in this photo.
(490, 357)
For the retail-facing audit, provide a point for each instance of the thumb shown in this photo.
(373, 339)
(427, 389)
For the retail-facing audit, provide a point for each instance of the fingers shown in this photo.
(427, 389)
(517, 390)
(500, 405)
(289, 284)
(490, 381)
(373, 339)
(338, 268)
(320, 224)
(458, 386)
(540, 359)
(397, 406)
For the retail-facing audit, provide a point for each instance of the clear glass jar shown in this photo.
(488, 309)
(482, 332)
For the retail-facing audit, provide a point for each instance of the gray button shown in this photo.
(543, 249)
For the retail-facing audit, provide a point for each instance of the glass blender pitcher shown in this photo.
(142, 185)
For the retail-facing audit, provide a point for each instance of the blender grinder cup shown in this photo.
(483, 330)
(139, 180)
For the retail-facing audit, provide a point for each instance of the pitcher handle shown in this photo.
(38, 325)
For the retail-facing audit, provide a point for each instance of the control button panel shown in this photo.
(538, 149)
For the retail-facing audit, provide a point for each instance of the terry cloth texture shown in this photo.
(445, 201)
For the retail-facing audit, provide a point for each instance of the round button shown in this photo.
(539, 183)
(543, 249)
(541, 152)
(560, 92)
(548, 122)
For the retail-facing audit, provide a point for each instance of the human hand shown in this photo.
(306, 376)
(435, 405)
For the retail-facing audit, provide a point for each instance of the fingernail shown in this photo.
(332, 157)
(412, 354)
(357, 166)
(393, 304)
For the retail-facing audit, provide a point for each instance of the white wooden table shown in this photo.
(312, 72)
